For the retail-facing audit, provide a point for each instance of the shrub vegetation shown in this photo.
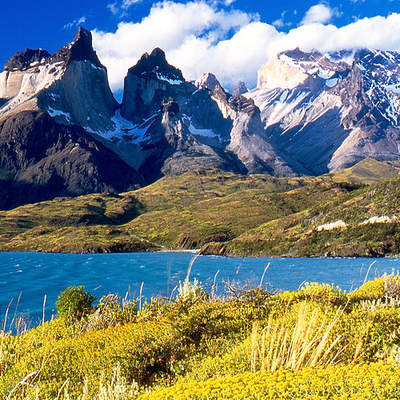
(314, 343)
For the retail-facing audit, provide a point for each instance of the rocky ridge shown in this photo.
(329, 111)
(311, 113)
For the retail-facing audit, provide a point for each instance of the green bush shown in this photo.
(74, 302)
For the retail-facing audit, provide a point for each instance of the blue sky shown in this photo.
(124, 29)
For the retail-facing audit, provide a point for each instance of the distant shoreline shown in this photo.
(193, 251)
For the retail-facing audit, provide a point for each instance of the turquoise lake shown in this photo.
(25, 278)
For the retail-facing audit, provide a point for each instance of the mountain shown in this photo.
(71, 85)
(48, 106)
(329, 111)
(42, 159)
(209, 128)
(310, 114)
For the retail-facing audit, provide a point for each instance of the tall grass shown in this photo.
(310, 342)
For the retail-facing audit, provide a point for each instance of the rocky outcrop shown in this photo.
(212, 123)
(250, 142)
(27, 59)
(172, 149)
(80, 49)
(239, 89)
(41, 159)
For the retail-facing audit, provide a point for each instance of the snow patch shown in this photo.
(325, 74)
(58, 113)
(332, 82)
(98, 67)
(201, 132)
(361, 67)
(170, 81)
(393, 88)
(125, 129)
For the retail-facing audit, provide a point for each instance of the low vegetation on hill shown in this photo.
(314, 343)
(223, 213)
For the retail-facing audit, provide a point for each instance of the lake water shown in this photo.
(25, 278)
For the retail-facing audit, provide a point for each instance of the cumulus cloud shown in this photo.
(319, 14)
(187, 32)
(200, 37)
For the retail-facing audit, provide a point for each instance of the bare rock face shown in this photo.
(207, 81)
(71, 85)
(239, 89)
(80, 49)
(27, 59)
(250, 142)
(41, 159)
(171, 148)
(148, 83)
(212, 126)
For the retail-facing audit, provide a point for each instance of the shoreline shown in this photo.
(198, 252)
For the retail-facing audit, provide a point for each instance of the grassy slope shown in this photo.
(107, 222)
(194, 209)
(297, 234)
(368, 171)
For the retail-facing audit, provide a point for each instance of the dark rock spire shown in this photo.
(80, 49)
(155, 63)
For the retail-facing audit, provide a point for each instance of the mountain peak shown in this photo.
(80, 49)
(155, 65)
(159, 54)
(207, 81)
(26, 59)
(239, 89)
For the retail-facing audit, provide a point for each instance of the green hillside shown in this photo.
(365, 222)
(222, 212)
(368, 171)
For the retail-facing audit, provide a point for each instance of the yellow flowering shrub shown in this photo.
(141, 350)
(387, 286)
(325, 292)
(369, 290)
(354, 382)
(314, 343)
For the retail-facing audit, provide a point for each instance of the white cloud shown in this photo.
(281, 22)
(127, 3)
(75, 23)
(197, 37)
(113, 7)
(187, 32)
(319, 14)
(118, 8)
